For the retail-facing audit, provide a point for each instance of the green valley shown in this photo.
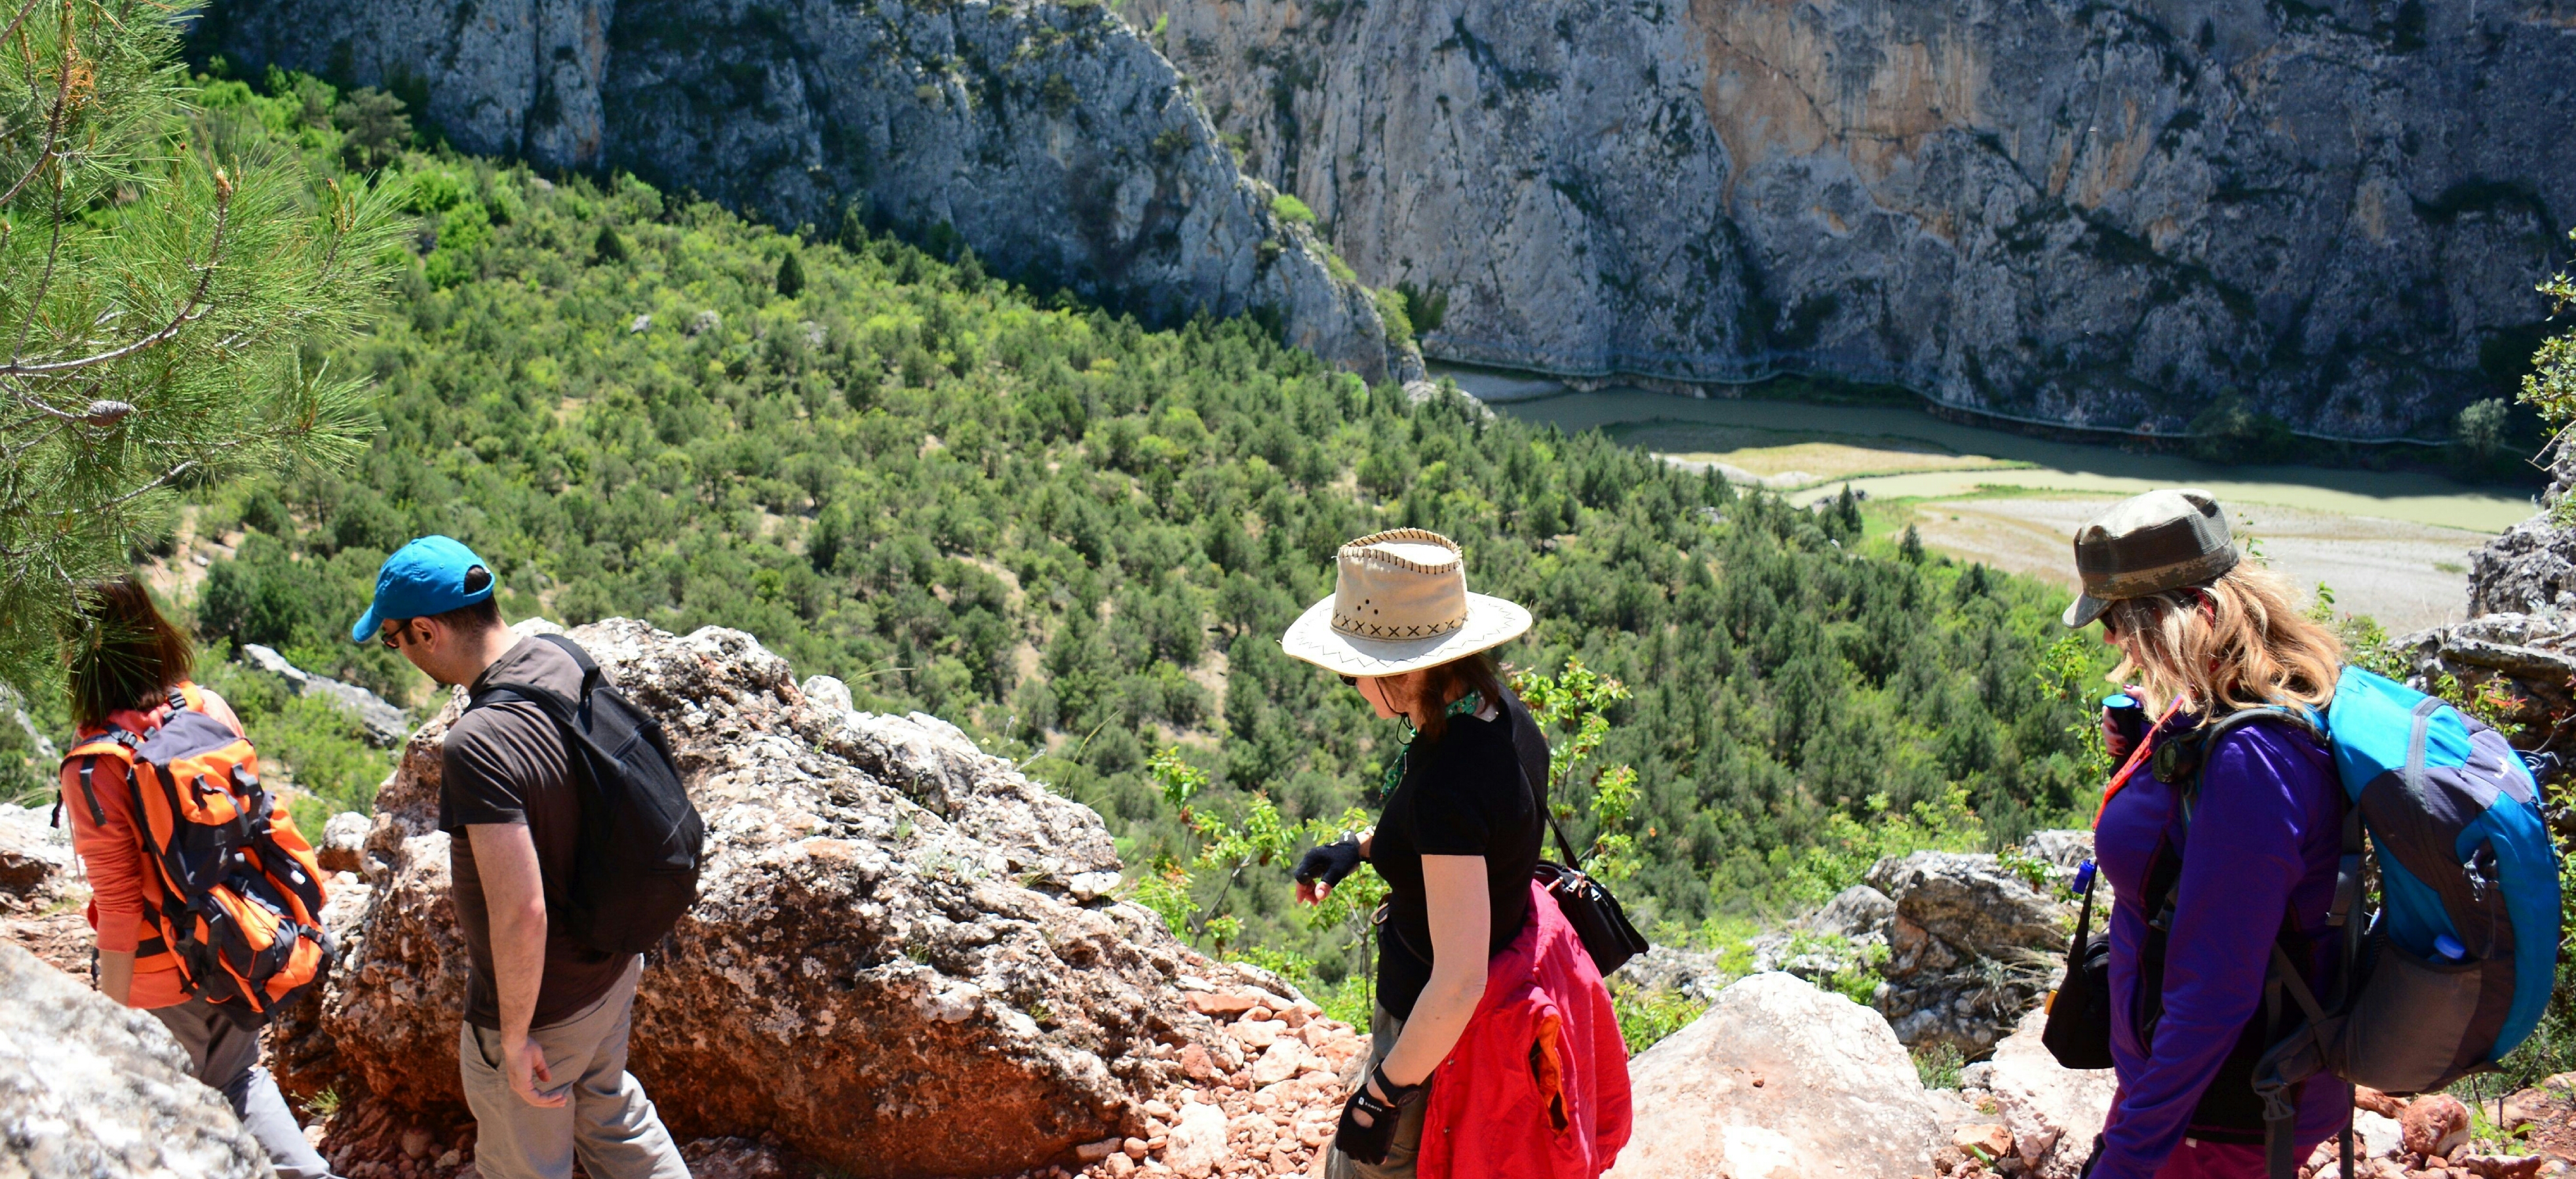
(1079, 539)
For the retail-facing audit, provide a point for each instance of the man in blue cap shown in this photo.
(542, 1051)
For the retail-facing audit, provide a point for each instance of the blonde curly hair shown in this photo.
(2240, 641)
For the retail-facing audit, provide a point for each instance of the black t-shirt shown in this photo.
(1480, 792)
(505, 763)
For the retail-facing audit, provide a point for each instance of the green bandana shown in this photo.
(1467, 705)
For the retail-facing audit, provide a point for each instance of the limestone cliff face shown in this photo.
(1053, 140)
(2102, 213)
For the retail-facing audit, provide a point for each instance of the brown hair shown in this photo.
(124, 654)
(2237, 642)
(1444, 682)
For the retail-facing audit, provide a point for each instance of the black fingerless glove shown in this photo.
(1329, 863)
(1368, 1144)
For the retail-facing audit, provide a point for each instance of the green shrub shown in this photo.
(1291, 210)
(1647, 1017)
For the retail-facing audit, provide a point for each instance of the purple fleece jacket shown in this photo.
(2268, 832)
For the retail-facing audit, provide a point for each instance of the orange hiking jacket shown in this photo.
(1537, 1087)
(123, 893)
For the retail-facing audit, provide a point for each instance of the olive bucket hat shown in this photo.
(2147, 544)
(1399, 603)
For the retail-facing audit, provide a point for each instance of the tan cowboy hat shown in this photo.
(1400, 603)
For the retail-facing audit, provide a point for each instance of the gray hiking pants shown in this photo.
(225, 1056)
(608, 1122)
(1383, 1029)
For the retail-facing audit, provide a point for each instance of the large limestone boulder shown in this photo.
(88, 1087)
(1971, 947)
(904, 960)
(1779, 1080)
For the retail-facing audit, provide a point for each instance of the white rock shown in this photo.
(2379, 1136)
(1197, 1144)
(1088, 885)
(1839, 1096)
(1284, 1058)
(1259, 1033)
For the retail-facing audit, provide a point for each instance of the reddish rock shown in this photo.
(1988, 1141)
(2365, 1097)
(2496, 1166)
(923, 933)
(2434, 1124)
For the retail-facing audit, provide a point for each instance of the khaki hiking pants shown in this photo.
(608, 1122)
(1383, 1029)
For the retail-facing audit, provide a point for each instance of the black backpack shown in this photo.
(635, 866)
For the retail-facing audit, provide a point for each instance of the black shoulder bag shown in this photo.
(2078, 1032)
(1589, 908)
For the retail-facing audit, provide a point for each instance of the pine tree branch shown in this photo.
(195, 310)
(14, 21)
(44, 286)
(54, 123)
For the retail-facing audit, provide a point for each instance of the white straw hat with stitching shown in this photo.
(1400, 603)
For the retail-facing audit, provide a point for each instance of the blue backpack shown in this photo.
(2453, 970)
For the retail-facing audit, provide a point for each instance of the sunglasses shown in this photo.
(395, 638)
(1350, 681)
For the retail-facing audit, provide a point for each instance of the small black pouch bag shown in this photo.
(2078, 1033)
(1590, 909)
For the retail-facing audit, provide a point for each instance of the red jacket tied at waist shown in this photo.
(1537, 1087)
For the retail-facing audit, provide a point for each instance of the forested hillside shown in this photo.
(1079, 539)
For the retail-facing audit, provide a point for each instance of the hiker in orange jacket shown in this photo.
(127, 661)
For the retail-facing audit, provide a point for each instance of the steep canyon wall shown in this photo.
(1051, 139)
(2100, 213)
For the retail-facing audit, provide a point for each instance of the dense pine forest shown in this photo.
(1079, 539)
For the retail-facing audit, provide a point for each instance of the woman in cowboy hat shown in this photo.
(2244, 861)
(1459, 838)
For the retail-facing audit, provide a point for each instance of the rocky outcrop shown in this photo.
(36, 864)
(1960, 945)
(2517, 652)
(1970, 948)
(2336, 210)
(928, 936)
(1049, 138)
(1779, 1080)
(88, 1087)
(41, 890)
(385, 726)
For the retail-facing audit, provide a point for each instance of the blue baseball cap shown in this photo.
(422, 578)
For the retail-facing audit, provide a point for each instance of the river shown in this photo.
(2393, 545)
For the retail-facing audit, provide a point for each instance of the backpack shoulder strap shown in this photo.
(554, 704)
(580, 658)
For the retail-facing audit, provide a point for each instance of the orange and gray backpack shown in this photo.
(241, 895)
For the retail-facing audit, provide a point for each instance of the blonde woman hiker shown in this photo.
(2247, 859)
(1482, 988)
